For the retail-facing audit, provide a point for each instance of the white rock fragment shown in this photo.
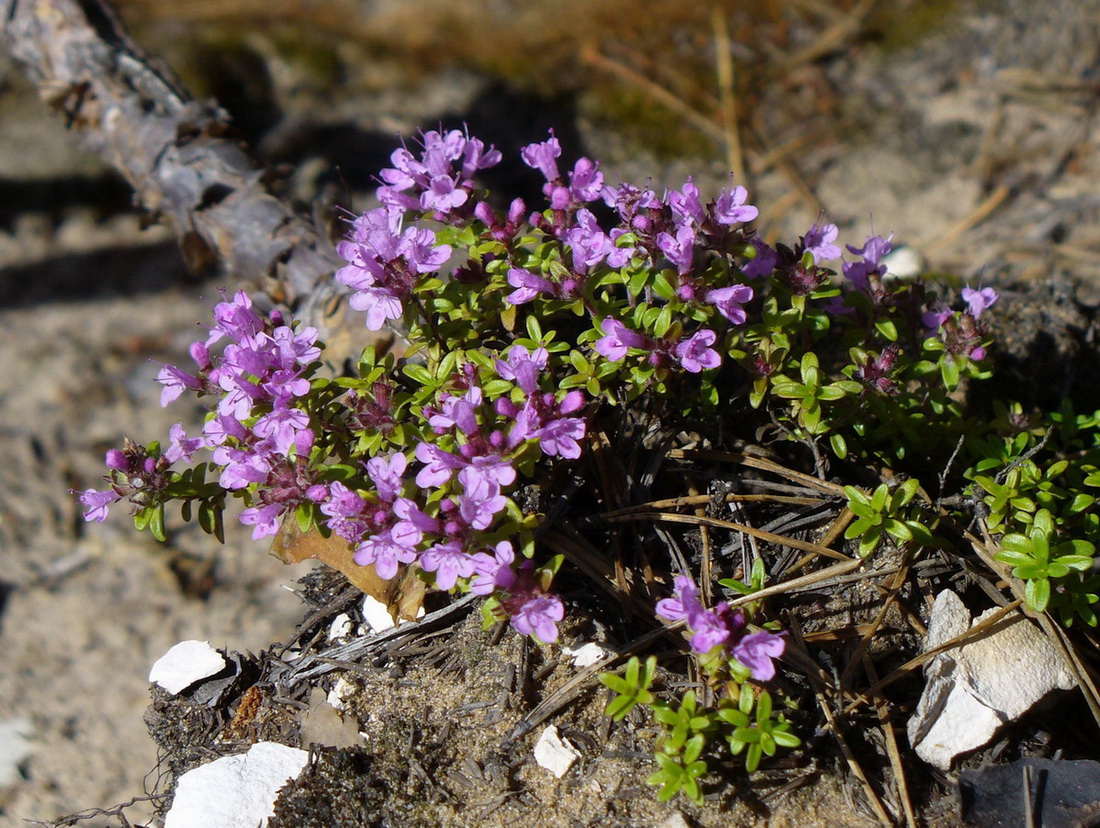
(974, 689)
(554, 753)
(185, 664)
(15, 748)
(904, 263)
(235, 791)
(376, 614)
(341, 691)
(587, 654)
(342, 627)
(675, 820)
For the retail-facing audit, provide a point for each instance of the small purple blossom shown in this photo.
(730, 208)
(528, 286)
(449, 562)
(617, 339)
(756, 651)
(95, 503)
(180, 446)
(387, 475)
(695, 353)
(874, 250)
(493, 572)
(977, 301)
(729, 301)
(586, 180)
(686, 205)
(543, 157)
(763, 264)
(386, 552)
(679, 248)
(539, 616)
(819, 242)
(590, 245)
(724, 627)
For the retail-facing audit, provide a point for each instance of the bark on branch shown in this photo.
(175, 151)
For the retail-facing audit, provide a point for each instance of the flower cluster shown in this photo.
(722, 627)
(416, 463)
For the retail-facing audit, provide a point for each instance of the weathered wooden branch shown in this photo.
(176, 152)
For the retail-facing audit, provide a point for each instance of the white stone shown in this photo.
(235, 791)
(342, 627)
(185, 664)
(587, 654)
(15, 748)
(974, 689)
(675, 820)
(903, 263)
(376, 614)
(341, 691)
(554, 753)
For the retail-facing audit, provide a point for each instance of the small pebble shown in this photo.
(187, 663)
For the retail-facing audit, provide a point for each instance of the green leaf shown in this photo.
(888, 329)
(839, 445)
(786, 739)
(156, 523)
(534, 330)
(950, 373)
(1037, 594)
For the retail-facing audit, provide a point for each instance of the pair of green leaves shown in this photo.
(886, 511)
(1036, 559)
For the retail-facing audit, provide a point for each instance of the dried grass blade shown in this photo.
(760, 534)
(883, 710)
(849, 756)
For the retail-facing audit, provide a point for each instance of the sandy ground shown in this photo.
(975, 148)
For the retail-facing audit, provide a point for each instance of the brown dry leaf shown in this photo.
(403, 594)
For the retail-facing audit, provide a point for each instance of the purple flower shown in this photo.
(481, 499)
(383, 263)
(385, 552)
(387, 475)
(523, 367)
(494, 572)
(432, 182)
(543, 157)
(978, 300)
(282, 427)
(586, 180)
(180, 446)
(438, 465)
(819, 242)
(756, 652)
(235, 319)
(456, 412)
(722, 626)
(263, 519)
(175, 382)
(527, 285)
(934, 319)
(680, 249)
(449, 562)
(686, 204)
(589, 243)
(539, 615)
(95, 503)
(560, 438)
(617, 339)
(763, 263)
(730, 208)
(873, 252)
(696, 354)
(728, 301)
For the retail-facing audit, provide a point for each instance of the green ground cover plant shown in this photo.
(547, 350)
